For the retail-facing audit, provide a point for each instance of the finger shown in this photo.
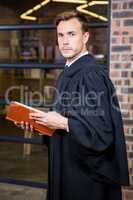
(31, 128)
(43, 118)
(40, 122)
(39, 133)
(26, 126)
(37, 114)
(22, 125)
(17, 124)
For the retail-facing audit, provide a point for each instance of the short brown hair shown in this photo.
(64, 16)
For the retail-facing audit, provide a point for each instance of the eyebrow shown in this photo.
(69, 32)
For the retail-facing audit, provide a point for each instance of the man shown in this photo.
(87, 153)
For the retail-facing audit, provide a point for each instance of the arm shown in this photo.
(90, 122)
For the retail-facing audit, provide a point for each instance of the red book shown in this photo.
(18, 112)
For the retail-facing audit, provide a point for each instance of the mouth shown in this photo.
(66, 49)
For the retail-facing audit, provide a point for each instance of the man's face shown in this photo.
(71, 39)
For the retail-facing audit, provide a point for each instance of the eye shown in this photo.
(72, 34)
(60, 35)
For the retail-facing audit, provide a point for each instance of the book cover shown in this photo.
(18, 112)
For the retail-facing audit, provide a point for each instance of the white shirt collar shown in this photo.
(83, 54)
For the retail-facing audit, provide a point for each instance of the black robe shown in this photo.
(95, 147)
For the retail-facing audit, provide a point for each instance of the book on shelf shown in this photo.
(18, 112)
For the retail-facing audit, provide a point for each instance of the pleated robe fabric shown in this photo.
(89, 162)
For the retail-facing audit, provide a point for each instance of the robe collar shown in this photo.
(83, 54)
(84, 61)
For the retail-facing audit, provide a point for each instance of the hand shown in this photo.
(52, 120)
(25, 126)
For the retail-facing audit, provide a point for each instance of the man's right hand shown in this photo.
(25, 126)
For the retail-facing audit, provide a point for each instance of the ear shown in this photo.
(86, 37)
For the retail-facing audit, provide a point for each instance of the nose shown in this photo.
(65, 40)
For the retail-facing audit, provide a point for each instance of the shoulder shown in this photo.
(95, 76)
(94, 71)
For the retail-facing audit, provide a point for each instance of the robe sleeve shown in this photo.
(90, 122)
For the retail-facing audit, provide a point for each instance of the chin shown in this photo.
(67, 56)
